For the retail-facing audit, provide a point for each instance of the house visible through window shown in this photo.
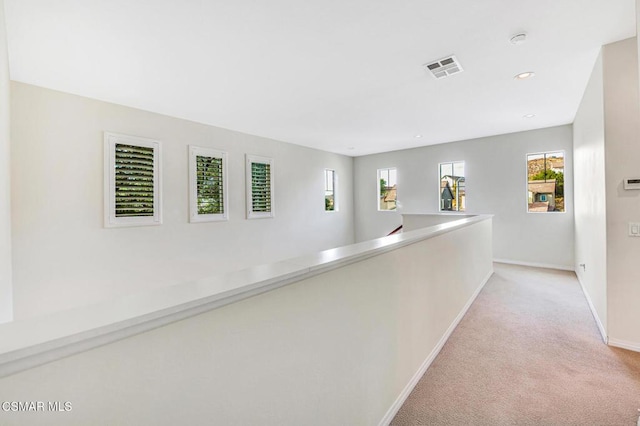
(452, 187)
(330, 190)
(387, 189)
(545, 182)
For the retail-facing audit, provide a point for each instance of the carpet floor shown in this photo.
(528, 352)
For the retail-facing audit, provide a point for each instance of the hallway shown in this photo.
(528, 352)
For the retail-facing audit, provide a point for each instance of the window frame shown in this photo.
(194, 216)
(334, 190)
(378, 174)
(440, 210)
(110, 219)
(249, 160)
(526, 180)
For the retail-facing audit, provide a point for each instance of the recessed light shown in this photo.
(528, 116)
(518, 38)
(417, 136)
(524, 75)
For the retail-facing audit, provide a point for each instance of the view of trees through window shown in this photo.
(545, 182)
(387, 189)
(261, 187)
(134, 175)
(210, 199)
(452, 186)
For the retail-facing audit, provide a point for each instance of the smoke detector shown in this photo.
(444, 67)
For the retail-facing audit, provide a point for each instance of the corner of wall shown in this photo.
(594, 312)
(622, 153)
(590, 224)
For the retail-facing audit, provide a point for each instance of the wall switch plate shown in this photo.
(634, 229)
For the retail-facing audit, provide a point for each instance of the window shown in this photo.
(387, 189)
(132, 181)
(330, 201)
(545, 182)
(208, 199)
(259, 187)
(452, 187)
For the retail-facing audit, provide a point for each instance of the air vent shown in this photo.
(444, 67)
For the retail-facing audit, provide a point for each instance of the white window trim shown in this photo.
(110, 219)
(335, 190)
(249, 190)
(526, 180)
(440, 188)
(378, 190)
(194, 216)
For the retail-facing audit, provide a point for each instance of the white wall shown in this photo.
(6, 303)
(622, 152)
(64, 257)
(496, 183)
(590, 195)
(338, 348)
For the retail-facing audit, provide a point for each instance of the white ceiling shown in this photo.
(341, 75)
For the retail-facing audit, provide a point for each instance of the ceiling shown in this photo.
(344, 76)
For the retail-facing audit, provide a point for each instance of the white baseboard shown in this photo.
(603, 332)
(393, 410)
(632, 346)
(535, 265)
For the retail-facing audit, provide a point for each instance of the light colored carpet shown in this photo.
(527, 352)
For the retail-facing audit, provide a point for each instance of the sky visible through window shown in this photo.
(389, 176)
(452, 169)
(329, 193)
(387, 179)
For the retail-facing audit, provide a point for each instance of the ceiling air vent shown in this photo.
(444, 67)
